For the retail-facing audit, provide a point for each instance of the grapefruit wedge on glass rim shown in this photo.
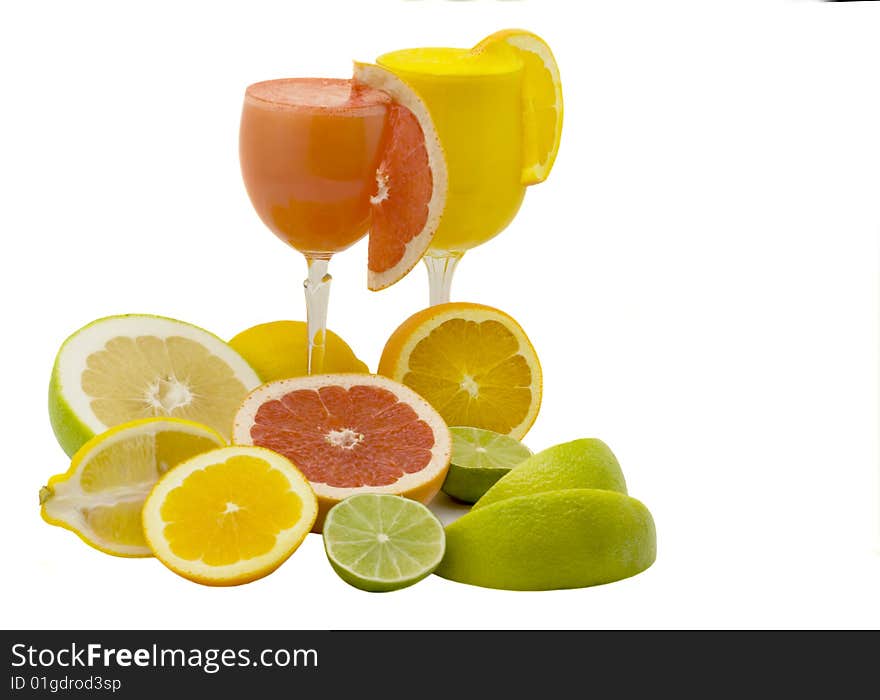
(411, 181)
(350, 434)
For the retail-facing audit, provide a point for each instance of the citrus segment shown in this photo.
(123, 368)
(473, 363)
(542, 98)
(229, 516)
(100, 497)
(586, 463)
(349, 433)
(279, 349)
(379, 542)
(555, 539)
(479, 459)
(411, 182)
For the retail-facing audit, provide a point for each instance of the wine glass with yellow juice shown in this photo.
(497, 109)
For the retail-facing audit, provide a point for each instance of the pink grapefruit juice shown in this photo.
(309, 151)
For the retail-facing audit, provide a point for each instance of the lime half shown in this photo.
(379, 542)
(479, 459)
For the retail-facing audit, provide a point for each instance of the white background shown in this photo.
(699, 276)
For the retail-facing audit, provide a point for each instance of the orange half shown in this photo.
(474, 364)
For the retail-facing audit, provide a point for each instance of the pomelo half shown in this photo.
(122, 368)
(411, 182)
(350, 434)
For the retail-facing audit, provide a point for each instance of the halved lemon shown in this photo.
(122, 368)
(474, 364)
(229, 516)
(542, 99)
(100, 497)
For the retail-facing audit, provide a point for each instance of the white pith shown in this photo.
(167, 394)
(440, 451)
(346, 439)
(381, 187)
(470, 386)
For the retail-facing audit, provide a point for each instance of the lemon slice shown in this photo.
(122, 368)
(542, 99)
(229, 516)
(101, 495)
(474, 364)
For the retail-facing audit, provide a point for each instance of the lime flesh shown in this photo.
(379, 542)
(479, 459)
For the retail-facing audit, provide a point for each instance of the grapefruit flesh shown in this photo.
(350, 434)
(345, 437)
(411, 181)
(404, 184)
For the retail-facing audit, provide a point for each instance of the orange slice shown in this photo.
(473, 363)
(411, 182)
(350, 433)
(542, 99)
(229, 516)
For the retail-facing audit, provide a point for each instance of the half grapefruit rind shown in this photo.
(521, 40)
(420, 486)
(403, 94)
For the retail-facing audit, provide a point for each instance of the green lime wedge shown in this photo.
(379, 542)
(479, 459)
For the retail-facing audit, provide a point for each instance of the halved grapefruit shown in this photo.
(349, 434)
(411, 182)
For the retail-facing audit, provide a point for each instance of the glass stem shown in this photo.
(317, 289)
(441, 268)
